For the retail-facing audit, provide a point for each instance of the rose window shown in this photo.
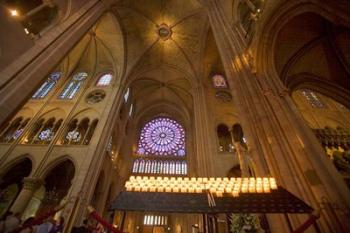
(162, 136)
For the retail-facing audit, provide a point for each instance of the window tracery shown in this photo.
(47, 86)
(14, 130)
(312, 98)
(153, 166)
(162, 136)
(164, 139)
(79, 133)
(43, 131)
(72, 88)
(155, 220)
(219, 81)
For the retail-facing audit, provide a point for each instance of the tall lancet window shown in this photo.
(47, 86)
(126, 95)
(313, 99)
(72, 88)
(104, 80)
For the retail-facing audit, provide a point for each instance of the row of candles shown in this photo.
(217, 186)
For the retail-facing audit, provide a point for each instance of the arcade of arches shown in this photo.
(93, 92)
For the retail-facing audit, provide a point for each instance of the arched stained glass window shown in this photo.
(131, 110)
(219, 81)
(162, 136)
(72, 88)
(104, 80)
(126, 95)
(312, 98)
(47, 86)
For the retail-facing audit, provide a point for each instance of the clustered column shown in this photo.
(30, 185)
(275, 144)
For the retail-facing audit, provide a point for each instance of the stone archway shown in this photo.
(11, 183)
(57, 183)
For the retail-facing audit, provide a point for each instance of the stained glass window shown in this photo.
(72, 88)
(46, 135)
(162, 136)
(155, 220)
(126, 95)
(160, 167)
(313, 99)
(47, 86)
(219, 81)
(104, 80)
(131, 109)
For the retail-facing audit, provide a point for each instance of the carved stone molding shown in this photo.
(31, 183)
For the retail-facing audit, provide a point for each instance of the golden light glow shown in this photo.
(14, 12)
(217, 186)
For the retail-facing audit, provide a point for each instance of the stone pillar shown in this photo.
(276, 142)
(30, 185)
(242, 158)
(204, 147)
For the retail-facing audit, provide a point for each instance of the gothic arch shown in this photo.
(265, 59)
(54, 163)
(26, 158)
(312, 82)
(57, 181)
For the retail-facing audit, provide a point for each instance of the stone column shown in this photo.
(276, 143)
(204, 149)
(242, 158)
(30, 185)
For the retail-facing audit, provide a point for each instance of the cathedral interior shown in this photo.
(95, 94)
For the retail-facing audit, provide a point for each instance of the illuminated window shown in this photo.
(104, 80)
(219, 81)
(79, 132)
(162, 136)
(43, 131)
(131, 110)
(155, 220)
(160, 167)
(126, 95)
(313, 99)
(14, 130)
(47, 86)
(72, 88)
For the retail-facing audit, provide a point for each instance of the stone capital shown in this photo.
(31, 183)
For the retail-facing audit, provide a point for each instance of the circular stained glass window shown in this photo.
(162, 136)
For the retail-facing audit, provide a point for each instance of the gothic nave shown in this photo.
(98, 94)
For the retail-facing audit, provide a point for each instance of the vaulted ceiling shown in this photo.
(311, 47)
(164, 44)
(146, 48)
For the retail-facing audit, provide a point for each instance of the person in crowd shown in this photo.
(45, 227)
(11, 222)
(58, 227)
(99, 228)
(2, 221)
(27, 227)
(82, 229)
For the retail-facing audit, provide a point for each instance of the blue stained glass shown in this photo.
(162, 136)
(47, 86)
(73, 86)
